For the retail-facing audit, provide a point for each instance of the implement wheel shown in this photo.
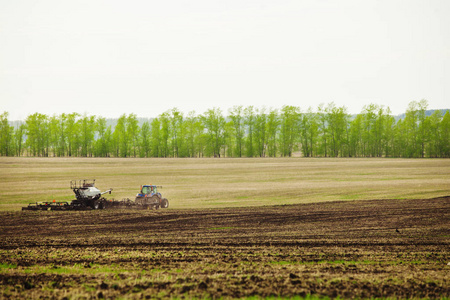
(164, 203)
(95, 204)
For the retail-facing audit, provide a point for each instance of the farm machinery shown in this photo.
(89, 197)
(149, 196)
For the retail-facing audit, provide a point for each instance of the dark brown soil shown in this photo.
(360, 249)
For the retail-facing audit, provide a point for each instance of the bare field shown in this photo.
(346, 249)
(235, 228)
(209, 183)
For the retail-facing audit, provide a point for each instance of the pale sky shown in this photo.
(111, 57)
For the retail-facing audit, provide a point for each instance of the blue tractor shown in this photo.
(150, 198)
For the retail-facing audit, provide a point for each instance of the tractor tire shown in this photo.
(141, 200)
(164, 203)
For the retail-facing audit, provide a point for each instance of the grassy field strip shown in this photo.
(226, 182)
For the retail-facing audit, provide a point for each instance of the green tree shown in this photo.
(6, 136)
(132, 133)
(423, 129)
(273, 123)
(379, 132)
(61, 130)
(309, 125)
(376, 133)
(177, 133)
(19, 138)
(37, 134)
(72, 132)
(355, 139)
(399, 133)
(445, 136)
(145, 141)
(103, 142)
(196, 135)
(389, 125)
(229, 136)
(87, 133)
(165, 134)
(260, 134)
(191, 125)
(434, 124)
(155, 133)
(53, 134)
(249, 113)
(214, 122)
(237, 119)
(57, 134)
(289, 120)
(120, 137)
(411, 120)
(338, 124)
(323, 130)
(368, 133)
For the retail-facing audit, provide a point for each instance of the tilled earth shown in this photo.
(359, 249)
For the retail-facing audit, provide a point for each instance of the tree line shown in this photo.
(245, 132)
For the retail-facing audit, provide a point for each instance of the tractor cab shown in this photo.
(147, 190)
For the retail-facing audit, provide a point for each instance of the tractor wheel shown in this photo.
(164, 203)
(140, 200)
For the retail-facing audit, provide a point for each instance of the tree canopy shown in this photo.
(244, 132)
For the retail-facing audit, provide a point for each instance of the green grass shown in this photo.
(350, 262)
(307, 297)
(221, 228)
(88, 268)
(5, 267)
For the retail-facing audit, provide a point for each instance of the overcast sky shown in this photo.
(111, 57)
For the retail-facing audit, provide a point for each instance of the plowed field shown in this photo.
(356, 249)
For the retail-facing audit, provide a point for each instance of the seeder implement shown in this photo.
(48, 206)
(88, 197)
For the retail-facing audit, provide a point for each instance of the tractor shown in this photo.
(150, 198)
